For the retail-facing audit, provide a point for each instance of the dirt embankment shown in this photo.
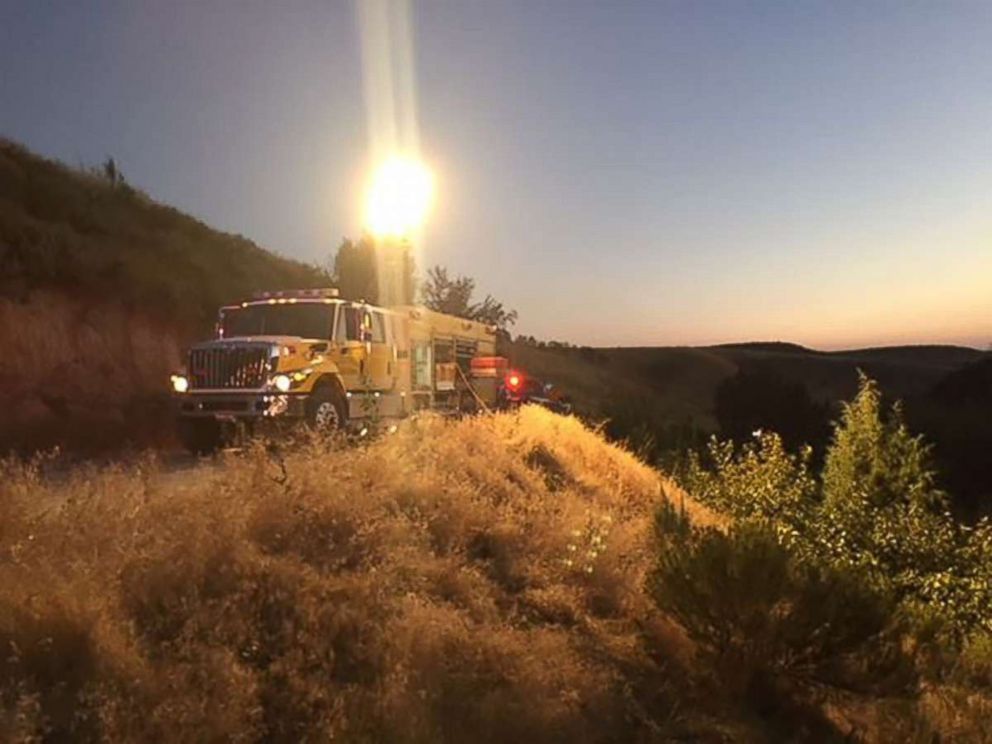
(83, 374)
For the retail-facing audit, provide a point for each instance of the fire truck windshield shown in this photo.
(304, 319)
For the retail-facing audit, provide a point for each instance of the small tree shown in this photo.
(446, 294)
(874, 457)
(453, 295)
(882, 510)
(492, 312)
(358, 265)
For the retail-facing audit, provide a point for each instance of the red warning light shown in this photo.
(514, 381)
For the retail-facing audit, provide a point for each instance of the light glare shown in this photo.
(399, 198)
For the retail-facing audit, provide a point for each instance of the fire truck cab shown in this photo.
(308, 355)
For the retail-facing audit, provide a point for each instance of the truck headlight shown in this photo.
(180, 383)
(282, 383)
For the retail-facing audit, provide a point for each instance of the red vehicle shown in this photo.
(520, 389)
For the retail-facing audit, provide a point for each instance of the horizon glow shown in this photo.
(620, 174)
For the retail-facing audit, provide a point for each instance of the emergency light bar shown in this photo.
(297, 294)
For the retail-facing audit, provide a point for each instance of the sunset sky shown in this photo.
(646, 173)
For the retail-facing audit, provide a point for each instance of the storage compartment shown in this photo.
(486, 367)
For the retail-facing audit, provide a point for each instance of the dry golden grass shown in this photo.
(85, 375)
(459, 580)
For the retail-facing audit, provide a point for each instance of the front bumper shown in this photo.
(242, 406)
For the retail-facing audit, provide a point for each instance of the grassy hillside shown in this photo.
(74, 230)
(476, 580)
(100, 288)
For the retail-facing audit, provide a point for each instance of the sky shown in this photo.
(621, 173)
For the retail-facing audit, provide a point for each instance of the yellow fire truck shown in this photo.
(309, 355)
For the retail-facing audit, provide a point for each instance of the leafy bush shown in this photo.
(876, 510)
(758, 481)
(876, 457)
(761, 613)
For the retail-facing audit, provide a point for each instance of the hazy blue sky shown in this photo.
(621, 173)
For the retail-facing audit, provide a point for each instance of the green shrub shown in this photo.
(875, 458)
(760, 613)
(759, 481)
(876, 511)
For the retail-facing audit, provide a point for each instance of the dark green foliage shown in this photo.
(354, 270)
(453, 295)
(955, 414)
(876, 510)
(759, 399)
(362, 268)
(649, 431)
(760, 612)
(445, 294)
(491, 312)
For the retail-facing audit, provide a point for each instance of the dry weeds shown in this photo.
(469, 580)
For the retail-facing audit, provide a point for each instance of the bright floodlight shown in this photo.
(399, 198)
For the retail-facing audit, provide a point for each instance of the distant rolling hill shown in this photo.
(665, 399)
(681, 382)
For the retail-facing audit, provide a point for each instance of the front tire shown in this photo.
(200, 436)
(467, 403)
(325, 411)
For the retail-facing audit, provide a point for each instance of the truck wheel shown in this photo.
(467, 403)
(325, 410)
(201, 436)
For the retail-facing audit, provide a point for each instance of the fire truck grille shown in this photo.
(228, 367)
